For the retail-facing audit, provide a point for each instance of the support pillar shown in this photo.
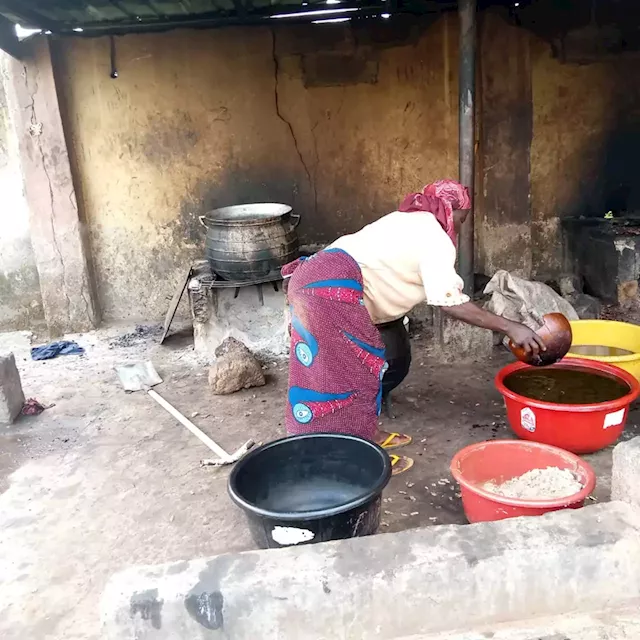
(455, 340)
(467, 78)
(56, 229)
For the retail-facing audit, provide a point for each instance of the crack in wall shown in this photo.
(276, 67)
(86, 283)
(36, 135)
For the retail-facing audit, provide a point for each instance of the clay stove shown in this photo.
(250, 311)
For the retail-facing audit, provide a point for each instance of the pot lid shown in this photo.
(246, 213)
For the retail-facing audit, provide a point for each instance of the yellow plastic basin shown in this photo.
(609, 334)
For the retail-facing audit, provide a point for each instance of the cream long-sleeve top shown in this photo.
(405, 258)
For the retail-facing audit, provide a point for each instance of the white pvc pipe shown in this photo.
(205, 439)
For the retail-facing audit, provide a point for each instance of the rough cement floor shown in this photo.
(104, 480)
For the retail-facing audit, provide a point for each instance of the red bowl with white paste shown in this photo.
(579, 428)
(501, 460)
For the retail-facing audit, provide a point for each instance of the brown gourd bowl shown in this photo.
(557, 336)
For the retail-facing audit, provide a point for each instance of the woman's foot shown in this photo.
(400, 464)
(390, 440)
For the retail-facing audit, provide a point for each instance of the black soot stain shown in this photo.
(205, 601)
(147, 604)
(206, 609)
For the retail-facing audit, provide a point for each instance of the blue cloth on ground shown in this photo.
(55, 349)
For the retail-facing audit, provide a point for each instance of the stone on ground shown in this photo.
(587, 307)
(236, 368)
(569, 284)
(11, 395)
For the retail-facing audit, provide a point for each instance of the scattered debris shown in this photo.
(55, 349)
(235, 368)
(414, 513)
(32, 407)
(139, 334)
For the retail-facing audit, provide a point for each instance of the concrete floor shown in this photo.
(104, 480)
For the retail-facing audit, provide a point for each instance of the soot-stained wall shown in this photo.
(555, 139)
(586, 137)
(338, 123)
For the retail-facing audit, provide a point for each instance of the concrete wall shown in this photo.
(555, 139)
(338, 124)
(20, 300)
(503, 213)
(586, 137)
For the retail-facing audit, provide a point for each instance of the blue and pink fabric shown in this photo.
(337, 355)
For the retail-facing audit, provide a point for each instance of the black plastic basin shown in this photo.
(311, 488)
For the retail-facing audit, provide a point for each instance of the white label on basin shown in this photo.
(614, 419)
(528, 419)
(291, 535)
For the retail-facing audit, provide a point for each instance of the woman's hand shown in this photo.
(524, 337)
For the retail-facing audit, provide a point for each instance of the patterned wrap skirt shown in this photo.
(337, 358)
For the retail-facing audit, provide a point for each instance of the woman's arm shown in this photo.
(518, 333)
(443, 288)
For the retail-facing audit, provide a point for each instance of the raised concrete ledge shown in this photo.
(625, 474)
(388, 586)
(618, 624)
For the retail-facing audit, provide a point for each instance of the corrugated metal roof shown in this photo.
(100, 16)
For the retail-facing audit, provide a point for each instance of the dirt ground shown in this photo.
(103, 480)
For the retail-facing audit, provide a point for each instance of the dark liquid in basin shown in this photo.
(565, 386)
(599, 350)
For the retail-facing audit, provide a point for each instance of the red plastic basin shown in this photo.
(501, 460)
(580, 428)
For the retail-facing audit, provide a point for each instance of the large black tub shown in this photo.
(311, 488)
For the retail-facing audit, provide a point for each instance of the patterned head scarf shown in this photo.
(439, 198)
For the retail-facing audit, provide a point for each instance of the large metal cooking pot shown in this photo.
(250, 241)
